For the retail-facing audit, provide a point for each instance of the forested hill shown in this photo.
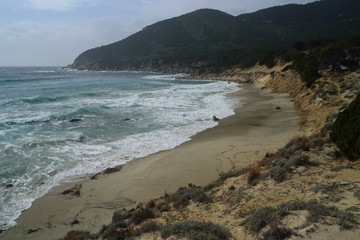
(212, 39)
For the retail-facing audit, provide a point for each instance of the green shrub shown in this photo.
(120, 215)
(346, 130)
(111, 229)
(260, 219)
(141, 215)
(277, 233)
(278, 173)
(146, 228)
(182, 197)
(196, 231)
(163, 207)
(269, 216)
(231, 174)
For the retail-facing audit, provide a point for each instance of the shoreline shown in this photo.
(237, 141)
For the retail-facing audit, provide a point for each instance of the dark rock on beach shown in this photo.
(30, 231)
(75, 222)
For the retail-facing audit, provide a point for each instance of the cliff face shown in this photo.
(328, 94)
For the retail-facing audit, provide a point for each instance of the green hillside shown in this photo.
(212, 39)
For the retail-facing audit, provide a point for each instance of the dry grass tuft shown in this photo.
(302, 142)
(253, 175)
(151, 203)
(267, 161)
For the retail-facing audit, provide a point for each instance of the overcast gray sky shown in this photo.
(55, 32)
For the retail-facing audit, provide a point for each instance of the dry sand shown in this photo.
(238, 141)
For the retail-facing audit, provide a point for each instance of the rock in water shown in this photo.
(216, 119)
(76, 120)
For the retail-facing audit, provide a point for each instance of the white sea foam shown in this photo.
(166, 76)
(45, 71)
(59, 150)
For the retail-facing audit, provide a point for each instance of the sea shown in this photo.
(57, 124)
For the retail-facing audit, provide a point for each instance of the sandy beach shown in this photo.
(238, 141)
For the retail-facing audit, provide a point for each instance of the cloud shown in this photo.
(57, 5)
(59, 42)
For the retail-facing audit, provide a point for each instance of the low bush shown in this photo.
(278, 173)
(357, 194)
(141, 215)
(146, 228)
(163, 207)
(298, 160)
(317, 211)
(120, 215)
(345, 132)
(182, 197)
(289, 157)
(261, 219)
(277, 233)
(270, 216)
(196, 231)
(223, 177)
(111, 229)
(231, 174)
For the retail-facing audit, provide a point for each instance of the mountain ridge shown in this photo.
(208, 38)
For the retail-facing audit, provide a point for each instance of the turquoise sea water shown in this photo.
(56, 124)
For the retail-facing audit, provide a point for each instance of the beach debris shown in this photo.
(216, 119)
(9, 186)
(107, 171)
(277, 108)
(190, 185)
(75, 191)
(94, 177)
(113, 169)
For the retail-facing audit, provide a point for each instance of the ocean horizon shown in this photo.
(58, 123)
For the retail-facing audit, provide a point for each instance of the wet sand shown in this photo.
(238, 141)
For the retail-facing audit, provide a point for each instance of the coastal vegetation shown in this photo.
(311, 58)
(346, 130)
(213, 40)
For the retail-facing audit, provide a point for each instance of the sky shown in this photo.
(55, 32)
